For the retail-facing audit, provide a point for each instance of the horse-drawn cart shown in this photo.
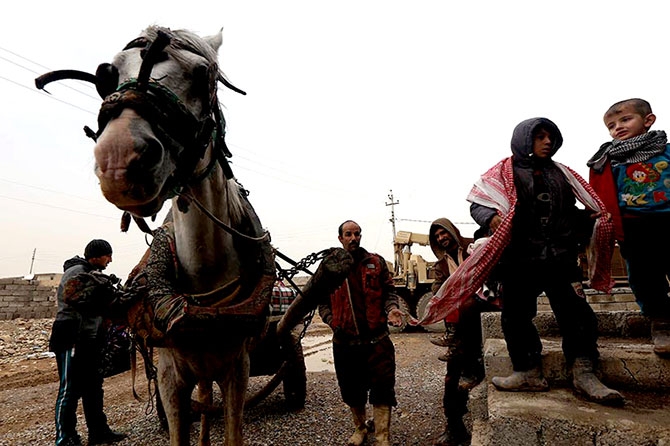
(283, 360)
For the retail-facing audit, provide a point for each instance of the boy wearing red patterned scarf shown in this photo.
(529, 203)
(631, 175)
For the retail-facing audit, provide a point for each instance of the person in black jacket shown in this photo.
(76, 339)
(463, 339)
(547, 229)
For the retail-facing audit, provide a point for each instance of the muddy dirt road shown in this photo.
(28, 391)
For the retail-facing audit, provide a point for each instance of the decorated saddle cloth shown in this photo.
(495, 189)
(162, 308)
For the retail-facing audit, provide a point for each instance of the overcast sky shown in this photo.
(346, 101)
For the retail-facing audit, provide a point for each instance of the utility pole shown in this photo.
(392, 204)
(32, 261)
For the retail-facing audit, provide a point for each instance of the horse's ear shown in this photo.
(215, 40)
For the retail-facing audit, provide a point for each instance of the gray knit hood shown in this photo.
(522, 138)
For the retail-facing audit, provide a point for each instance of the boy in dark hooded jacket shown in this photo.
(540, 229)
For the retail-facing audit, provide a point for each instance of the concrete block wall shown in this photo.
(27, 299)
(35, 298)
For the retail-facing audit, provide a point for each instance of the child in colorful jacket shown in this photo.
(631, 175)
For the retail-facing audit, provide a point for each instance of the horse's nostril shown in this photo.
(149, 156)
(152, 153)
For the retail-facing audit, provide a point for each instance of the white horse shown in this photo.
(211, 270)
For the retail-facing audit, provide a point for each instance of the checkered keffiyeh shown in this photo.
(495, 189)
(629, 151)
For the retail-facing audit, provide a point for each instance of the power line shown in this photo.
(46, 68)
(24, 58)
(34, 90)
(48, 190)
(283, 175)
(58, 207)
(430, 221)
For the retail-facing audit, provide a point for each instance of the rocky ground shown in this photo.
(28, 386)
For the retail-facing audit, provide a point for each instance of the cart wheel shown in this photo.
(295, 378)
(437, 327)
(402, 303)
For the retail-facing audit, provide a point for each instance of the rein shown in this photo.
(229, 229)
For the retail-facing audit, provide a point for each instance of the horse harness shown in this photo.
(171, 120)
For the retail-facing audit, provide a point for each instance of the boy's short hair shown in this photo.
(642, 107)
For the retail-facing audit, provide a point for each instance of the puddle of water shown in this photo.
(318, 352)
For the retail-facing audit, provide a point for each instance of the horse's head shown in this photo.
(159, 115)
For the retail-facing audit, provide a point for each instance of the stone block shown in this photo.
(560, 418)
(623, 364)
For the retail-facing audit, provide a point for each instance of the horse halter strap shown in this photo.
(170, 117)
(185, 136)
(174, 124)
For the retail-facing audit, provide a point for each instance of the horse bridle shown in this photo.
(171, 120)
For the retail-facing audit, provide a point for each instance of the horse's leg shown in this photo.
(204, 395)
(175, 394)
(235, 385)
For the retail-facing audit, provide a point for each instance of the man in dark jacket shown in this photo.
(358, 312)
(463, 339)
(541, 255)
(76, 339)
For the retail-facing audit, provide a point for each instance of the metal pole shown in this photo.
(392, 204)
(396, 254)
(32, 261)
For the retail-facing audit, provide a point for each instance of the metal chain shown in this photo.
(299, 266)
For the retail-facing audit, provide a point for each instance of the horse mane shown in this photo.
(190, 41)
(236, 209)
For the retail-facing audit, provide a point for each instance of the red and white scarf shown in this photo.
(495, 189)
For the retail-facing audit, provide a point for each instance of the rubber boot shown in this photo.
(382, 417)
(358, 437)
(455, 434)
(660, 335)
(455, 403)
(586, 383)
(525, 381)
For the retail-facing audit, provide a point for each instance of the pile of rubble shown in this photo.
(22, 339)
